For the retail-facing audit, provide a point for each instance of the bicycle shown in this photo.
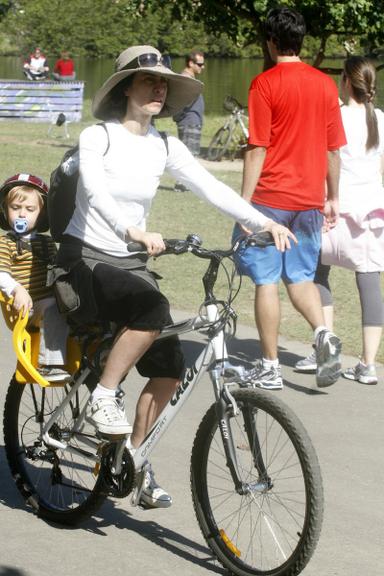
(232, 138)
(255, 478)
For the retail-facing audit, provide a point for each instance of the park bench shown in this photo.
(41, 101)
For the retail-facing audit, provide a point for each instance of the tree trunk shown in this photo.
(321, 53)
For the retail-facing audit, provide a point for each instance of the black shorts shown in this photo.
(132, 298)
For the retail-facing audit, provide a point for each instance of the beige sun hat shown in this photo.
(182, 90)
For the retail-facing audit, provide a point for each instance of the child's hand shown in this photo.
(22, 300)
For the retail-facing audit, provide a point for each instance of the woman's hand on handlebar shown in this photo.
(280, 234)
(153, 241)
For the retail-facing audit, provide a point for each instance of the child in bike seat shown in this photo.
(24, 256)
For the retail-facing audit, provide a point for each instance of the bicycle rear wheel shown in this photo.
(274, 525)
(219, 144)
(60, 485)
(238, 143)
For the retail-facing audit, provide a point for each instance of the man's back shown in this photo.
(294, 114)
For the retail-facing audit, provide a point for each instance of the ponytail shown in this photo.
(362, 76)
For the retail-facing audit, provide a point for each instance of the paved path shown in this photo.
(345, 423)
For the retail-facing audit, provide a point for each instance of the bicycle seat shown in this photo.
(26, 342)
(231, 104)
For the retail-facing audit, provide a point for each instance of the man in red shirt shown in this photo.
(64, 68)
(291, 173)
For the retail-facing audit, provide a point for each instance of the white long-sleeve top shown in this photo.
(7, 284)
(361, 190)
(115, 190)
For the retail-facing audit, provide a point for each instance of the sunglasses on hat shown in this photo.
(150, 60)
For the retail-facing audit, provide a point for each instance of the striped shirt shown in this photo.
(30, 267)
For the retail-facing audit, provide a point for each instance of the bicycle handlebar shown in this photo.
(193, 244)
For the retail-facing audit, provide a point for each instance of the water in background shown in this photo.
(221, 77)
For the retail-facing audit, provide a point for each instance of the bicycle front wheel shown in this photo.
(271, 526)
(219, 144)
(60, 485)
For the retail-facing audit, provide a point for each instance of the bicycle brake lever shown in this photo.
(136, 247)
(260, 239)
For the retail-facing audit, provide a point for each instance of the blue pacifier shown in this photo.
(20, 225)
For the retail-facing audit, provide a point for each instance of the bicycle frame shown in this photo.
(236, 117)
(231, 138)
(239, 116)
(215, 348)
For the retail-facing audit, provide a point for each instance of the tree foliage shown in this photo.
(349, 20)
(5, 5)
(97, 28)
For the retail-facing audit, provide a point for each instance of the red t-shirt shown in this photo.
(294, 113)
(64, 67)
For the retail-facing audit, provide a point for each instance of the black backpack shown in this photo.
(61, 198)
(62, 190)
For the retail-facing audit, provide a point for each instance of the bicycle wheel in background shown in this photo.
(274, 525)
(60, 486)
(219, 144)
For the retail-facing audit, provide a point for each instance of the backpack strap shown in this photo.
(44, 246)
(41, 253)
(106, 129)
(161, 132)
(165, 140)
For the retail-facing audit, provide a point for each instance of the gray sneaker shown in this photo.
(328, 349)
(308, 364)
(366, 374)
(267, 378)
(108, 417)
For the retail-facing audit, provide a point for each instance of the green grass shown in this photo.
(26, 148)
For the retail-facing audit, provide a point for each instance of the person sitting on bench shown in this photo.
(36, 66)
(64, 68)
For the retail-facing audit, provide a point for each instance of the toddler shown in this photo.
(24, 256)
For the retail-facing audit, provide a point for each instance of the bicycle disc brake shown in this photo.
(120, 484)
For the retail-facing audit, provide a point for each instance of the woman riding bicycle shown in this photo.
(120, 169)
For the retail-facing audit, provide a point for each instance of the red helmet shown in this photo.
(34, 182)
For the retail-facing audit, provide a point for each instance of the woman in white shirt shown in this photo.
(357, 242)
(114, 195)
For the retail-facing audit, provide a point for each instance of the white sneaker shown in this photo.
(152, 495)
(108, 417)
(308, 364)
(328, 349)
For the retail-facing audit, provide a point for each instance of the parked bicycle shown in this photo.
(255, 478)
(232, 138)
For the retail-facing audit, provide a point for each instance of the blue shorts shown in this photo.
(268, 265)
